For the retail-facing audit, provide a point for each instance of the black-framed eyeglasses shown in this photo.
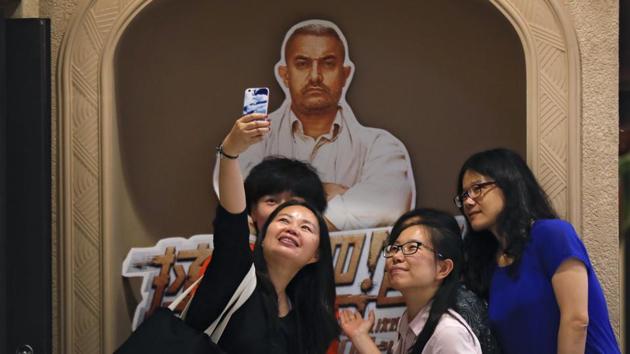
(407, 249)
(473, 192)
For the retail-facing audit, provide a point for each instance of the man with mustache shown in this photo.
(366, 171)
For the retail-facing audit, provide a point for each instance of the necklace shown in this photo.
(504, 260)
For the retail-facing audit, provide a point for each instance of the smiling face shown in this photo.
(415, 271)
(483, 211)
(314, 73)
(292, 237)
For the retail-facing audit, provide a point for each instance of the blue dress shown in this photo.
(523, 312)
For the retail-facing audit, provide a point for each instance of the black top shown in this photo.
(251, 329)
(475, 311)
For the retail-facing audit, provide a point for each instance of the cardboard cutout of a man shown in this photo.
(366, 171)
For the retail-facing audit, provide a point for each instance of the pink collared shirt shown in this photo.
(452, 334)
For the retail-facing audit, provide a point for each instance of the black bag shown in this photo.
(165, 333)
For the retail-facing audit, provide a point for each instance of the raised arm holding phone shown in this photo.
(291, 309)
(247, 130)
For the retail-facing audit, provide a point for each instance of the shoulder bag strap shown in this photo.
(242, 293)
(183, 295)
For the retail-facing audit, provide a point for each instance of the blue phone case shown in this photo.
(256, 100)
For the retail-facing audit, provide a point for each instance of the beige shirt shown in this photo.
(452, 334)
(371, 162)
(313, 149)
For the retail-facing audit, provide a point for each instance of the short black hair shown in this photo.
(276, 174)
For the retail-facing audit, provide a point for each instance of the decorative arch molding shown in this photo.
(86, 101)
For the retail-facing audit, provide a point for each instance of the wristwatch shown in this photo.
(223, 155)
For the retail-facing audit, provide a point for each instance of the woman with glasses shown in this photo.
(423, 262)
(543, 294)
(291, 308)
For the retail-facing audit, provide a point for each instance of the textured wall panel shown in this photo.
(554, 147)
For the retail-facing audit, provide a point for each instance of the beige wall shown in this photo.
(596, 24)
(24, 9)
(596, 28)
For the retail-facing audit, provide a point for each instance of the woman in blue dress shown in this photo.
(542, 291)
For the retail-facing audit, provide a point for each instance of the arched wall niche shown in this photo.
(173, 108)
(86, 102)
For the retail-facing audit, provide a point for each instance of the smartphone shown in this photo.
(256, 100)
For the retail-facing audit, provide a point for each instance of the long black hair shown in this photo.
(525, 202)
(312, 289)
(446, 239)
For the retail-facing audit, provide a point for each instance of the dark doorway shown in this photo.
(25, 187)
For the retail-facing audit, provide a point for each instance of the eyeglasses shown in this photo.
(407, 249)
(473, 192)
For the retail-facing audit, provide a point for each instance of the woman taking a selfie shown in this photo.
(424, 256)
(291, 308)
(543, 294)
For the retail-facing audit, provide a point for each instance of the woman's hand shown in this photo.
(353, 324)
(246, 131)
(358, 329)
